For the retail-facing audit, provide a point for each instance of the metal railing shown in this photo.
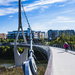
(71, 46)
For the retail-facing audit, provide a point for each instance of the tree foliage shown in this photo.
(6, 52)
(64, 38)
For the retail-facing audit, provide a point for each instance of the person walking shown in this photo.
(66, 46)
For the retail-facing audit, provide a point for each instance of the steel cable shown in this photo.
(33, 42)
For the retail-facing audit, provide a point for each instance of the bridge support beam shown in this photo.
(19, 58)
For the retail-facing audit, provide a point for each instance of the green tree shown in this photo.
(62, 38)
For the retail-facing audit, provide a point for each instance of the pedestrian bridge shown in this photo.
(59, 61)
(45, 49)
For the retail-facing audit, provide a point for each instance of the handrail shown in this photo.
(44, 49)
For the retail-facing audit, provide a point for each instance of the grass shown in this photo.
(19, 71)
(12, 71)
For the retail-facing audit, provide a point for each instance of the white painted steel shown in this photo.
(19, 58)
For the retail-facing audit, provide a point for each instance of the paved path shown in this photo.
(63, 62)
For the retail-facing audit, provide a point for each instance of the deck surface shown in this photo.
(63, 62)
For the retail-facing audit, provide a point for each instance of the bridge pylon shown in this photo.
(19, 58)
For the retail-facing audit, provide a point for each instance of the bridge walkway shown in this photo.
(63, 62)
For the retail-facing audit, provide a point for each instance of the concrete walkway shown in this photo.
(63, 62)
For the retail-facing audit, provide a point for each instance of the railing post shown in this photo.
(72, 47)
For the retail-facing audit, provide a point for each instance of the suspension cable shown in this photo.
(26, 16)
(41, 53)
(38, 61)
(31, 30)
(30, 27)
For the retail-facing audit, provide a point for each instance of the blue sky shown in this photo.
(42, 14)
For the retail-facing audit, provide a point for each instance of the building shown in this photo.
(46, 35)
(69, 32)
(53, 34)
(49, 34)
(35, 34)
(3, 36)
(41, 35)
(12, 35)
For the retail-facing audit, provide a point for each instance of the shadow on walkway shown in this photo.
(60, 52)
(71, 53)
(67, 52)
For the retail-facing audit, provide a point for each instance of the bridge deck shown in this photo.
(63, 62)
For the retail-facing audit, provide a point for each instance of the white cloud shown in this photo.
(71, 1)
(41, 3)
(10, 16)
(62, 19)
(35, 5)
(67, 11)
(6, 11)
(61, 5)
(7, 2)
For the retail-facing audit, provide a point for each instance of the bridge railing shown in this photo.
(49, 66)
(71, 46)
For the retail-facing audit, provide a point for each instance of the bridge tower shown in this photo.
(19, 58)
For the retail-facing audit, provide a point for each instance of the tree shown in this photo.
(62, 38)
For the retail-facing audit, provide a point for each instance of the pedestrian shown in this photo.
(66, 46)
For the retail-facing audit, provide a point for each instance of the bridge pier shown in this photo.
(19, 58)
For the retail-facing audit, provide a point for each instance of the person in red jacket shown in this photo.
(66, 46)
